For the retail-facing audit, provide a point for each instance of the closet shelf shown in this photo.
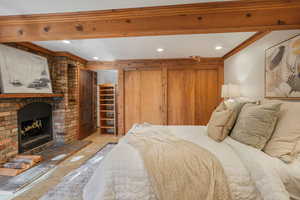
(105, 127)
(107, 106)
(107, 111)
(110, 119)
(107, 95)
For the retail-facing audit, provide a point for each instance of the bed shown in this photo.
(251, 174)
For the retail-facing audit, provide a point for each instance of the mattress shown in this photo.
(251, 173)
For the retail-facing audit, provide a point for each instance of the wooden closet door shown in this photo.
(86, 116)
(181, 97)
(151, 97)
(143, 97)
(207, 96)
(132, 98)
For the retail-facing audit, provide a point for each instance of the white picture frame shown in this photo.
(23, 72)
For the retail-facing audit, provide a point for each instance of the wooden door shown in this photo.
(132, 98)
(206, 93)
(192, 95)
(86, 116)
(143, 97)
(151, 96)
(181, 97)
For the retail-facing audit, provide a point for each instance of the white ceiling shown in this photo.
(175, 46)
(17, 7)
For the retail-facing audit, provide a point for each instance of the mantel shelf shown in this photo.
(29, 95)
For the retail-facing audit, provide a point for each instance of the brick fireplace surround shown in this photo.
(65, 80)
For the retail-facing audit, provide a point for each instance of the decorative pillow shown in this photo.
(285, 142)
(222, 120)
(256, 124)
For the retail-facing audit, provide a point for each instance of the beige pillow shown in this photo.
(285, 142)
(222, 120)
(256, 124)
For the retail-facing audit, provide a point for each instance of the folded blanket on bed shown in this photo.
(251, 174)
(179, 169)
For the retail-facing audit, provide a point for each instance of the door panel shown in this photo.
(206, 95)
(143, 97)
(86, 126)
(191, 96)
(181, 97)
(132, 98)
(151, 97)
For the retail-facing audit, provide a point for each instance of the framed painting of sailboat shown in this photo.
(23, 72)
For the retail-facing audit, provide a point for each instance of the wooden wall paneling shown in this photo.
(94, 100)
(78, 107)
(132, 98)
(151, 94)
(165, 95)
(180, 83)
(206, 94)
(220, 79)
(181, 97)
(211, 17)
(212, 93)
(120, 102)
(201, 98)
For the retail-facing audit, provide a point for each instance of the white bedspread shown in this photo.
(252, 175)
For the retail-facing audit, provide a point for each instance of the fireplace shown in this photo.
(34, 125)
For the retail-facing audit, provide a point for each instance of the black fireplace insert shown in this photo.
(34, 125)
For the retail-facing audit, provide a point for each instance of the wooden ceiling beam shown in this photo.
(246, 43)
(145, 63)
(213, 17)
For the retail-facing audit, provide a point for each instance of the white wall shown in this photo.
(246, 68)
(107, 76)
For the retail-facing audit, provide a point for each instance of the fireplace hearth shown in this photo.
(34, 125)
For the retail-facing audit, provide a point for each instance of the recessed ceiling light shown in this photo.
(160, 50)
(66, 41)
(219, 47)
(95, 58)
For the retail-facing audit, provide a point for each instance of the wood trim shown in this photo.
(37, 48)
(220, 80)
(165, 95)
(71, 56)
(43, 50)
(120, 103)
(246, 43)
(211, 17)
(145, 63)
(78, 104)
(144, 68)
(30, 95)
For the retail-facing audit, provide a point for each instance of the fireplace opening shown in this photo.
(34, 125)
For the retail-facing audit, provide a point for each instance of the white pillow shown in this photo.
(285, 142)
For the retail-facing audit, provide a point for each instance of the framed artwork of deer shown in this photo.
(282, 70)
